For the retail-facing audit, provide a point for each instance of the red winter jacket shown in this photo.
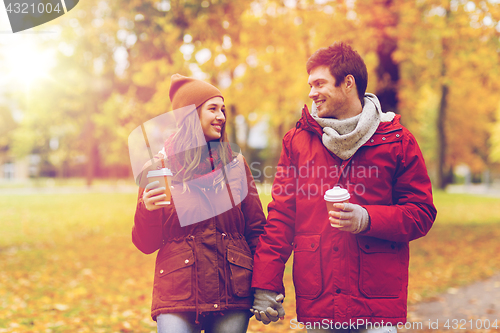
(337, 275)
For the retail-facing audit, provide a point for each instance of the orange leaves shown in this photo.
(91, 288)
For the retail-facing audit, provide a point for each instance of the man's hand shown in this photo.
(352, 218)
(267, 306)
(153, 193)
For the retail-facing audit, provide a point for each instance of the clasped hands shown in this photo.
(267, 306)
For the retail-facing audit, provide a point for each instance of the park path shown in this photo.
(468, 308)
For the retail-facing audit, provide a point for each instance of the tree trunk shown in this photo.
(441, 136)
(92, 153)
(387, 69)
(443, 172)
(387, 75)
(231, 124)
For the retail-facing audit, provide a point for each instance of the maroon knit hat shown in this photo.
(186, 91)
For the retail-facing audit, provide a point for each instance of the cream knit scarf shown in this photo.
(344, 137)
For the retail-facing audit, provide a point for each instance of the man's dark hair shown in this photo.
(342, 60)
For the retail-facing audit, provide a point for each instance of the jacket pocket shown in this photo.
(380, 268)
(307, 276)
(175, 275)
(241, 267)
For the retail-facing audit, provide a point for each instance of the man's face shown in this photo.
(331, 101)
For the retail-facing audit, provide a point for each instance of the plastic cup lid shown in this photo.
(337, 194)
(160, 173)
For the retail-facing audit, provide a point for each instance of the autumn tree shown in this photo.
(450, 75)
(381, 17)
(435, 63)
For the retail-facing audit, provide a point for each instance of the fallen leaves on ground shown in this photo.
(89, 285)
(451, 256)
(83, 274)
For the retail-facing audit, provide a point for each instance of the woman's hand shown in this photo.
(153, 193)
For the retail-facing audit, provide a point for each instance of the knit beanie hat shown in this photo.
(186, 91)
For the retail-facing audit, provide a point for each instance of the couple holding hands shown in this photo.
(350, 266)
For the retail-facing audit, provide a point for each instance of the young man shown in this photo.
(350, 268)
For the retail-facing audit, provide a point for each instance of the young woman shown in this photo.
(208, 233)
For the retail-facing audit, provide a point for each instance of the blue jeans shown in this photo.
(235, 321)
(385, 329)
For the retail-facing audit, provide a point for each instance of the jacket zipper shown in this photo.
(312, 129)
(226, 264)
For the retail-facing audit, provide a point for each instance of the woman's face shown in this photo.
(212, 118)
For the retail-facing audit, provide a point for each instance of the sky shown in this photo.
(22, 58)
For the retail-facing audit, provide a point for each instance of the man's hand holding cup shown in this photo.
(344, 215)
(349, 217)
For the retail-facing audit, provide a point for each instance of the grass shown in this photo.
(48, 182)
(463, 209)
(68, 264)
(51, 218)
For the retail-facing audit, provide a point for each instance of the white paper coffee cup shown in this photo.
(164, 176)
(335, 195)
